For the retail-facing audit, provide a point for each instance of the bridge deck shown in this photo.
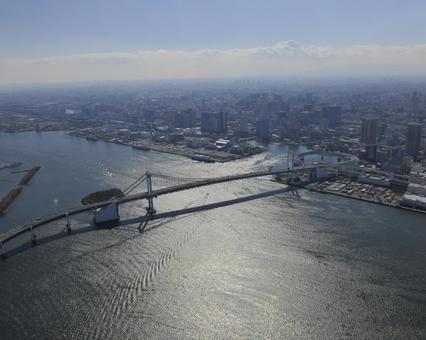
(180, 187)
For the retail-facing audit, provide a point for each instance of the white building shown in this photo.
(415, 196)
(381, 181)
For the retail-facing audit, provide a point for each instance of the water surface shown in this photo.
(317, 266)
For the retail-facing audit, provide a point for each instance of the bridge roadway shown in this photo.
(204, 207)
(8, 236)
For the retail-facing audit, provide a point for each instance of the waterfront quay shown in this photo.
(362, 191)
(200, 149)
(366, 184)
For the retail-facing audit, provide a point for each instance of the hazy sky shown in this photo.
(58, 40)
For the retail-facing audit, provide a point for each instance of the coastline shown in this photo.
(174, 149)
(313, 188)
(213, 155)
(335, 193)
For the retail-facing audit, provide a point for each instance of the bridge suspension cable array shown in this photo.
(134, 185)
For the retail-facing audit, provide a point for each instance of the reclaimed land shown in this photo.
(307, 186)
(102, 196)
(365, 199)
(13, 194)
(216, 156)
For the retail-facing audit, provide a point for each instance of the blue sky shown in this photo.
(34, 29)
(52, 27)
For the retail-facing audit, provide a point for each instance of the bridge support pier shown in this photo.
(68, 225)
(3, 256)
(33, 237)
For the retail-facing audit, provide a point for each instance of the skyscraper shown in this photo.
(263, 128)
(333, 114)
(243, 129)
(185, 118)
(412, 144)
(214, 122)
(369, 126)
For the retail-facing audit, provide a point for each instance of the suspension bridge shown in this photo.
(166, 185)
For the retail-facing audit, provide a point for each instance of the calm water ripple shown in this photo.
(312, 267)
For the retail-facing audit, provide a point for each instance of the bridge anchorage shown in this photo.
(109, 217)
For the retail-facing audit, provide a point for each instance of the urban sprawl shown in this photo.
(379, 125)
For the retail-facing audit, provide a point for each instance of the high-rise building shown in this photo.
(412, 144)
(243, 128)
(333, 114)
(369, 128)
(263, 126)
(214, 122)
(292, 127)
(324, 124)
(185, 119)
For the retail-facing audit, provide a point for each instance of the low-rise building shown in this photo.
(196, 143)
(381, 181)
(415, 196)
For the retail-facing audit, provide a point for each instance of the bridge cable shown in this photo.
(134, 185)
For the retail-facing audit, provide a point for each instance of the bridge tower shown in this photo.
(2, 253)
(33, 237)
(151, 210)
(68, 225)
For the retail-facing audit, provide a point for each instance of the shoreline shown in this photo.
(184, 151)
(397, 206)
(340, 194)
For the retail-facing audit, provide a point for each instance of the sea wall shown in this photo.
(14, 193)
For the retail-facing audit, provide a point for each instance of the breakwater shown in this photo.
(13, 194)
